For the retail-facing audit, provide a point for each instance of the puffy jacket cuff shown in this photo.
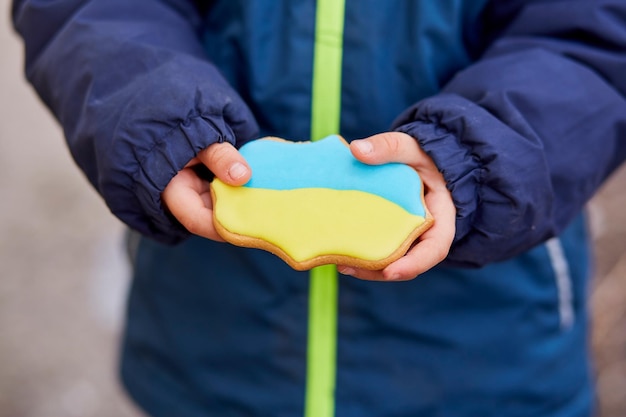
(459, 168)
(499, 179)
(170, 154)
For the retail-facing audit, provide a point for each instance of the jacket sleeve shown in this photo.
(136, 96)
(526, 134)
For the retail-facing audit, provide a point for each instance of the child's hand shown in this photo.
(187, 195)
(433, 246)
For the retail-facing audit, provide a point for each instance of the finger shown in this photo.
(194, 161)
(419, 259)
(226, 163)
(427, 253)
(433, 246)
(187, 198)
(363, 274)
(386, 147)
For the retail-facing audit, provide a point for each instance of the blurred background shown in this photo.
(63, 271)
(64, 275)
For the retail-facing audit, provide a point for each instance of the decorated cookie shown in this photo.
(313, 203)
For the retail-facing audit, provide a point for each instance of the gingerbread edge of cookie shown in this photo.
(327, 259)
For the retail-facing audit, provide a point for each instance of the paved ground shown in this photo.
(608, 295)
(62, 270)
(63, 274)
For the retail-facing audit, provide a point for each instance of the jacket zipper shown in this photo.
(323, 290)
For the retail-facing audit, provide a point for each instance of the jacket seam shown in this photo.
(437, 124)
(158, 143)
(185, 122)
(480, 181)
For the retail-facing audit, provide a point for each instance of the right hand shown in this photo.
(431, 247)
(187, 195)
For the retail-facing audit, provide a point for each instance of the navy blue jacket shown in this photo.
(524, 135)
(522, 106)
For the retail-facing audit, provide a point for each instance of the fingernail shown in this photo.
(394, 277)
(237, 170)
(346, 270)
(364, 146)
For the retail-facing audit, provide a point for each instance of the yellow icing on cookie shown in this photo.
(371, 232)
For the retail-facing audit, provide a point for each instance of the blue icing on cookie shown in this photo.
(328, 163)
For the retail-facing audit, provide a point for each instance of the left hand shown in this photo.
(431, 247)
(187, 196)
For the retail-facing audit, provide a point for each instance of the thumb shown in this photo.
(226, 163)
